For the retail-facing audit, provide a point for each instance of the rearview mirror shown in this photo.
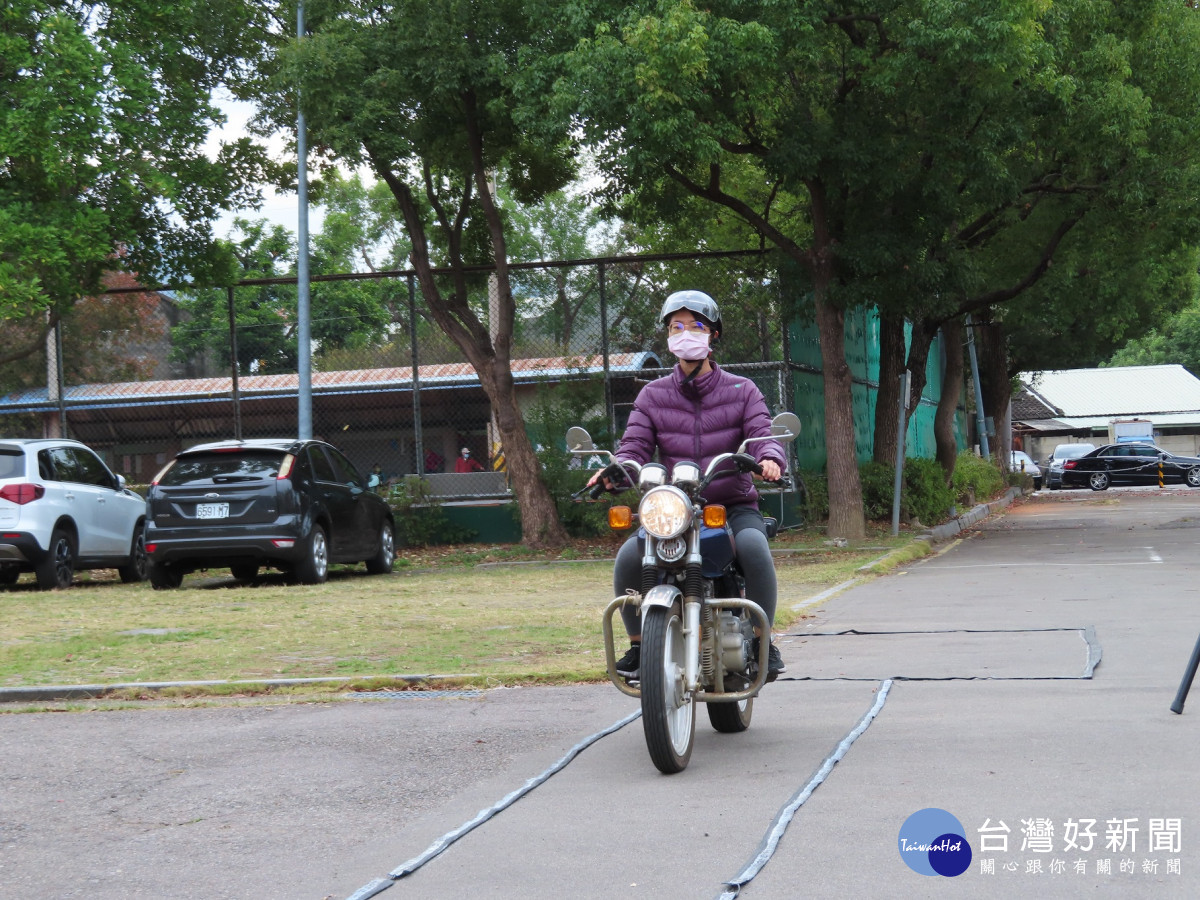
(786, 427)
(578, 440)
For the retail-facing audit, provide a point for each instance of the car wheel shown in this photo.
(1193, 476)
(381, 562)
(139, 564)
(58, 568)
(313, 565)
(9, 574)
(165, 577)
(1098, 481)
(244, 571)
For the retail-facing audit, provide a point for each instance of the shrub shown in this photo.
(975, 479)
(814, 496)
(419, 518)
(926, 494)
(878, 489)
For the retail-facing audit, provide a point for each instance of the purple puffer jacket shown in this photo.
(711, 415)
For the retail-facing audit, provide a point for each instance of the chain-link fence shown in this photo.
(139, 375)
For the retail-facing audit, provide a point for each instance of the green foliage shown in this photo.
(1177, 342)
(814, 499)
(879, 488)
(420, 521)
(107, 107)
(926, 494)
(976, 480)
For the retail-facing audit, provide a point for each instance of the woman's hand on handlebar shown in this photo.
(770, 470)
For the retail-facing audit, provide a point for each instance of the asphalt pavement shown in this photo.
(1019, 682)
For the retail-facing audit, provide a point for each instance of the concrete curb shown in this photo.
(951, 529)
(46, 692)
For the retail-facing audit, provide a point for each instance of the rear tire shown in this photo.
(313, 566)
(381, 562)
(165, 577)
(731, 718)
(1193, 476)
(1098, 481)
(58, 568)
(668, 715)
(139, 564)
(9, 575)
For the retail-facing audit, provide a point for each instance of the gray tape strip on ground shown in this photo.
(784, 817)
(440, 845)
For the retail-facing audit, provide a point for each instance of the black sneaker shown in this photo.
(775, 666)
(629, 665)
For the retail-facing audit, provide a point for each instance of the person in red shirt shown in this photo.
(465, 463)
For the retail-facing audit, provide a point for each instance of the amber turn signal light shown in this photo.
(620, 517)
(714, 516)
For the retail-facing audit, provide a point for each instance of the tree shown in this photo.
(428, 95)
(1177, 342)
(107, 107)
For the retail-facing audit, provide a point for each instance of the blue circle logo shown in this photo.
(933, 842)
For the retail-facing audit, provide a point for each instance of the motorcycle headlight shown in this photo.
(665, 512)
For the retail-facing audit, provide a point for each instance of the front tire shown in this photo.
(58, 568)
(1098, 481)
(381, 562)
(139, 563)
(313, 566)
(668, 713)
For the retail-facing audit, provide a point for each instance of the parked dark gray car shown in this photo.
(1057, 460)
(288, 504)
(1134, 463)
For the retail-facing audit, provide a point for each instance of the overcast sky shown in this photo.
(282, 209)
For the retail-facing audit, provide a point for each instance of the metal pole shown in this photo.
(610, 411)
(980, 425)
(418, 438)
(1186, 684)
(303, 325)
(233, 368)
(901, 431)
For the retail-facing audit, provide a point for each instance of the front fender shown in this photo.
(662, 595)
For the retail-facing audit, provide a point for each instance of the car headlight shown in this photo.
(665, 512)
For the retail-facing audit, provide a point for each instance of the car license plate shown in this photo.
(212, 510)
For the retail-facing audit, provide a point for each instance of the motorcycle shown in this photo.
(698, 628)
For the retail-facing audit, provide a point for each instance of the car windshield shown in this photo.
(218, 467)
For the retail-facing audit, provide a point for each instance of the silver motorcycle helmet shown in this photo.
(697, 303)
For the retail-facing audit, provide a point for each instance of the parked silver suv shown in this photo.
(61, 509)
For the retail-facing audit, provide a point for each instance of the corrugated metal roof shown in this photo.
(1155, 392)
(348, 381)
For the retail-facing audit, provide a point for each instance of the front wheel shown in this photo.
(668, 712)
(1098, 481)
(385, 556)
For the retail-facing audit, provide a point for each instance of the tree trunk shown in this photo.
(952, 382)
(996, 385)
(846, 518)
(887, 398)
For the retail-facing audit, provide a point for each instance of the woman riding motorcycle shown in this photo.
(696, 413)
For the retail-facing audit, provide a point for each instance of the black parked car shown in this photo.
(289, 504)
(1133, 463)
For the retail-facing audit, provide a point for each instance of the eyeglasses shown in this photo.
(697, 327)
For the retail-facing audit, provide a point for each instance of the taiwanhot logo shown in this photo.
(933, 842)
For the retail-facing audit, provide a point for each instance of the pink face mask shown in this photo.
(688, 345)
